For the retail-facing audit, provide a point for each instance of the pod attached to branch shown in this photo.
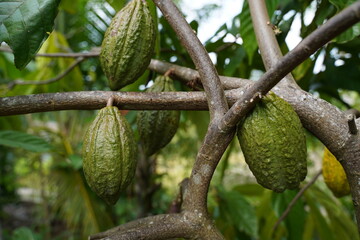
(274, 144)
(128, 44)
(157, 128)
(109, 154)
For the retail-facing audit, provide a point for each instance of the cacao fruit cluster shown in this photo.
(157, 128)
(334, 175)
(128, 44)
(109, 154)
(273, 143)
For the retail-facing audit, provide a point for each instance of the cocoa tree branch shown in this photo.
(295, 199)
(180, 73)
(286, 64)
(334, 128)
(187, 75)
(51, 80)
(91, 100)
(265, 36)
(208, 74)
(164, 226)
(93, 53)
(155, 227)
(220, 135)
(289, 90)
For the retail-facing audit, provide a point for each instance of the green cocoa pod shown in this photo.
(157, 128)
(274, 145)
(109, 154)
(128, 44)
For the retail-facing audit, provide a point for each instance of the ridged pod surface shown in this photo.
(157, 128)
(334, 175)
(273, 143)
(128, 44)
(109, 154)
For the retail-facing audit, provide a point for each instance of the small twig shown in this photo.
(110, 102)
(169, 72)
(51, 80)
(354, 112)
(176, 204)
(295, 199)
(95, 52)
(187, 75)
(351, 123)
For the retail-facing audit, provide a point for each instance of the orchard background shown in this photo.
(43, 193)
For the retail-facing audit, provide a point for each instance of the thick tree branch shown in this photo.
(265, 36)
(90, 100)
(165, 226)
(155, 227)
(208, 74)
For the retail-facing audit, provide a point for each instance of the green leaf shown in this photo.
(341, 224)
(308, 228)
(352, 32)
(239, 212)
(247, 32)
(82, 211)
(322, 226)
(48, 68)
(201, 121)
(268, 218)
(75, 161)
(117, 4)
(24, 25)
(11, 122)
(296, 218)
(349, 34)
(349, 74)
(341, 4)
(23, 140)
(271, 6)
(300, 71)
(24, 233)
(250, 189)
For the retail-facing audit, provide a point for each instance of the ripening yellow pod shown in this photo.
(334, 175)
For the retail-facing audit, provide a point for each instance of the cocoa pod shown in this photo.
(128, 44)
(334, 175)
(274, 145)
(157, 128)
(109, 154)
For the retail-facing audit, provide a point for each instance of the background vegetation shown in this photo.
(43, 194)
